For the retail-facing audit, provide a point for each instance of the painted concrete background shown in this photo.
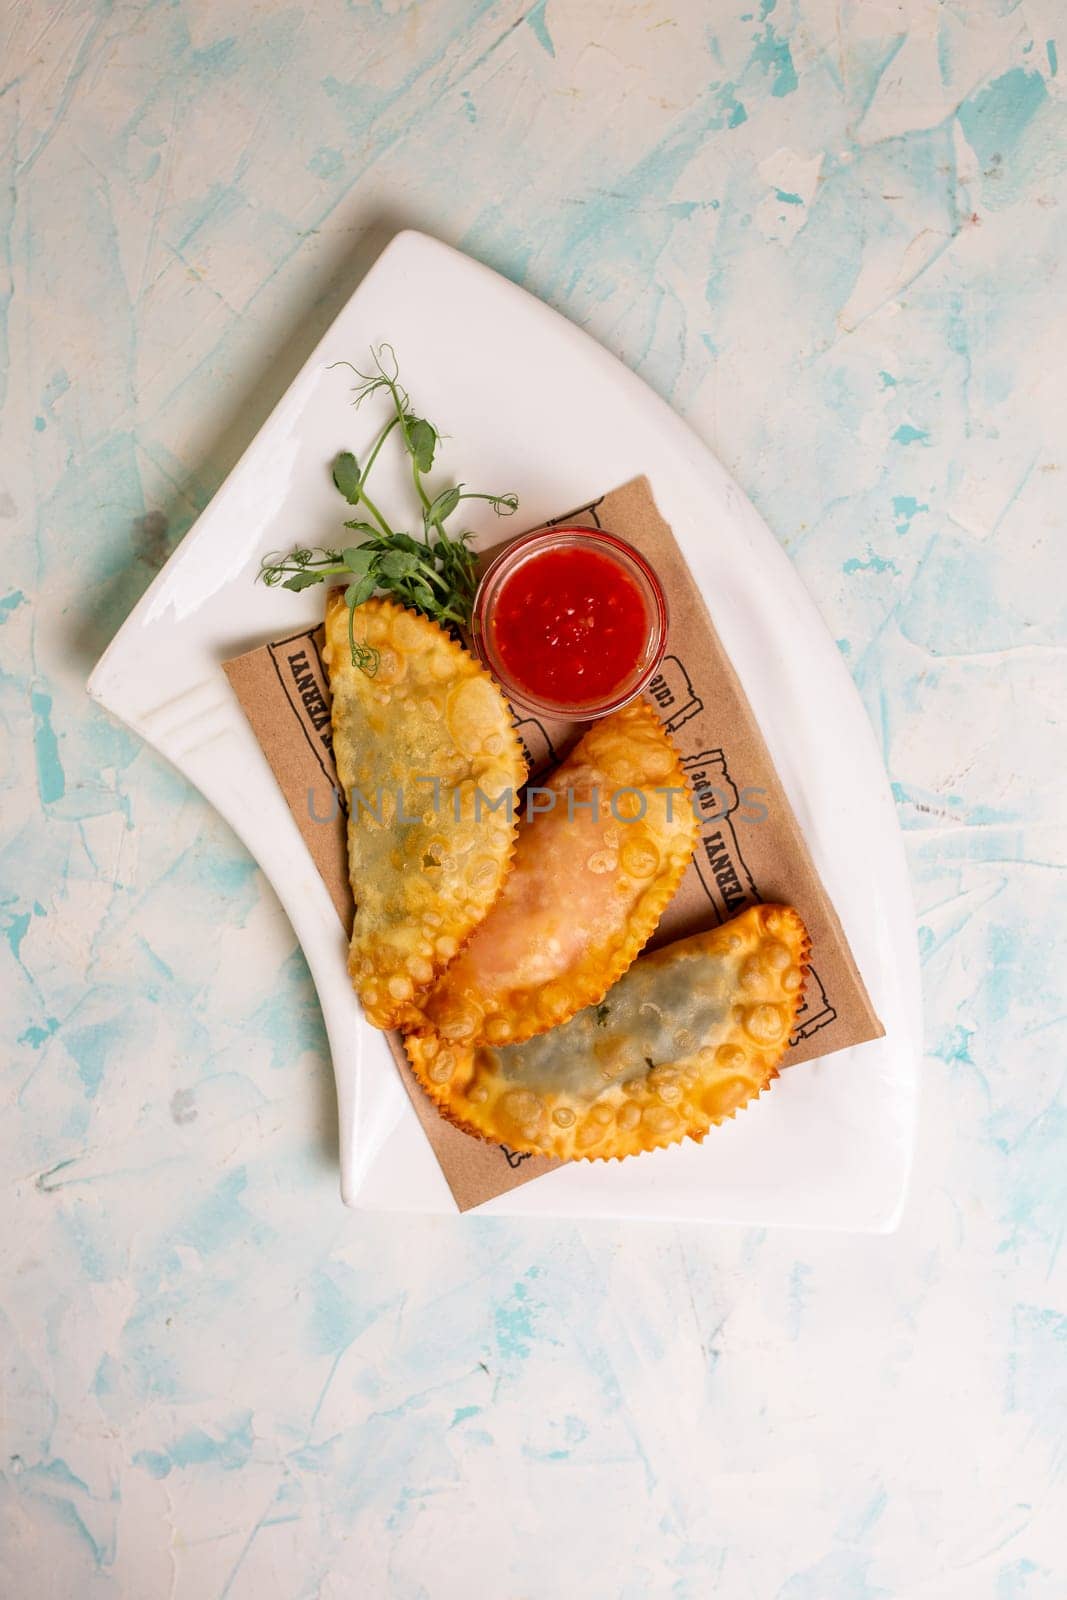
(834, 236)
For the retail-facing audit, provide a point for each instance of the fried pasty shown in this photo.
(424, 747)
(593, 872)
(688, 1035)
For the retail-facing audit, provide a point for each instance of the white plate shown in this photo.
(532, 404)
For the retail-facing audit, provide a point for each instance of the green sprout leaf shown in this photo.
(358, 559)
(435, 574)
(346, 476)
(396, 565)
(302, 580)
(422, 442)
(404, 541)
(356, 593)
(441, 508)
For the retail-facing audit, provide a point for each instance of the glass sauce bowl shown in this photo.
(563, 605)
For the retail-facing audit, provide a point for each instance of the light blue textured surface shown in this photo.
(834, 237)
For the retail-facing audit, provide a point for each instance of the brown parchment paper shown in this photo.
(750, 846)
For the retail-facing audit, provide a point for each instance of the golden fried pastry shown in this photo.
(424, 747)
(593, 872)
(687, 1036)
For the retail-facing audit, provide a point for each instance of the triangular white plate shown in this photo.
(531, 404)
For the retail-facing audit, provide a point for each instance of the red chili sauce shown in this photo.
(569, 626)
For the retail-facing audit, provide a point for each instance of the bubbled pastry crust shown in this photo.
(582, 1100)
(420, 886)
(586, 890)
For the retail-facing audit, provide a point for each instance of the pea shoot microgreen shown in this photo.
(434, 571)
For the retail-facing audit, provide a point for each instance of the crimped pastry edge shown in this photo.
(438, 1095)
(407, 1014)
(649, 909)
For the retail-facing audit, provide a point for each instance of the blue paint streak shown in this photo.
(106, 1377)
(10, 603)
(37, 1034)
(340, 1313)
(69, 1514)
(842, 1575)
(60, 1472)
(905, 508)
(157, 1462)
(230, 1451)
(873, 563)
(291, 1017)
(91, 1046)
(871, 1514)
(462, 1414)
(775, 57)
(1013, 1580)
(514, 1325)
(535, 19)
(218, 59)
(994, 119)
(1053, 57)
(878, 71)
(221, 1220)
(326, 162)
(51, 783)
(906, 434)
(737, 113)
(15, 931)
